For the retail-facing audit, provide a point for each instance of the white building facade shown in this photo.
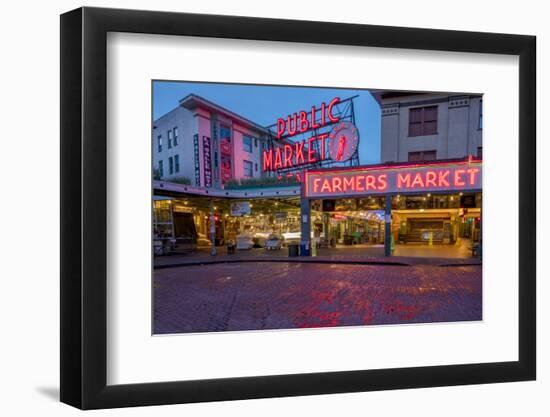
(426, 126)
(205, 145)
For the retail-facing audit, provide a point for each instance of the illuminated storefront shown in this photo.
(189, 219)
(392, 204)
(434, 202)
(336, 203)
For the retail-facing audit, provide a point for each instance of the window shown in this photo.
(480, 124)
(176, 163)
(255, 142)
(169, 134)
(247, 168)
(170, 165)
(422, 156)
(159, 143)
(161, 169)
(247, 144)
(429, 155)
(256, 167)
(175, 136)
(423, 121)
(480, 152)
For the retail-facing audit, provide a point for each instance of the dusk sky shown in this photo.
(264, 104)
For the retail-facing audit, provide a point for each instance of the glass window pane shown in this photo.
(415, 115)
(247, 143)
(430, 128)
(429, 155)
(430, 113)
(415, 156)
(415, 129)
(247, 168)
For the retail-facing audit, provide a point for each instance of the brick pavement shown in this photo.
(282, 295)
(373, 254)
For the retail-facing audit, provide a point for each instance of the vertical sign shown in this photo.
(225, 153)
(207, 161)
(215, 152)
(196, 159)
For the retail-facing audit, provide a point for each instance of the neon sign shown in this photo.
(302, 121)
(391, 179)
(290, 155)
(287, 154)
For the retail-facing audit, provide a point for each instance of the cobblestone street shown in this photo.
(280, 295)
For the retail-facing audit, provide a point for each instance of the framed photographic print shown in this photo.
(258, 208)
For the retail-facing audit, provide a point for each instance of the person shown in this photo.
(230, 247)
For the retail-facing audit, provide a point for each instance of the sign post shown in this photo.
(387, 223)
(305, 224)
(213, 229)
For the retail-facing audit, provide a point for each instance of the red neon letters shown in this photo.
(349, 183)
(437, 179)
(298, 153)
(306, 151)
(302, 122)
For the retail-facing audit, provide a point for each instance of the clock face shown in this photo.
(343, 141)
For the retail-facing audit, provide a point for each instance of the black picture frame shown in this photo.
(84, 207)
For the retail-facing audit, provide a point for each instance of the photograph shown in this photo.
(264, 209)
(278, 207)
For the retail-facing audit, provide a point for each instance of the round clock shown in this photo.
(343, 141)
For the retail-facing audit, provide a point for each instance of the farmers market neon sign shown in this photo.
(394, 179)
(341, 141)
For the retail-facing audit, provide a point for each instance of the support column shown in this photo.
(326, 231)
(387, 230)
(480, 230)
(213, 229)
(305, 222)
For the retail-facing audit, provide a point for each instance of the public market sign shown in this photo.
(341, 142)
(455, 176)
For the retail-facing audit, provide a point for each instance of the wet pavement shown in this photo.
(282, 295)
(410, 254)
